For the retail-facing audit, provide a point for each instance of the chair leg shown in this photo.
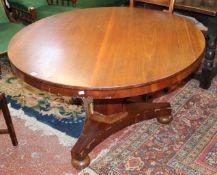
(0, 72)
(8, 120)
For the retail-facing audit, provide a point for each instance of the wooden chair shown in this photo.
(7, 29)
(163, 3)
(32, 10)
(170, 4)
(6, 114)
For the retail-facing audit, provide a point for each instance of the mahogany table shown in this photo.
(107, 57)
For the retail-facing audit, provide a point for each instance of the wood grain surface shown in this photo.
(106, 52)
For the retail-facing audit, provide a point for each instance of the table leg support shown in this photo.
(98, 127)
(208, 66)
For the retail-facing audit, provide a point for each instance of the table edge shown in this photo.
(108, 93)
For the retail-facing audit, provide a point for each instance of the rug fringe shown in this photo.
(35, 125)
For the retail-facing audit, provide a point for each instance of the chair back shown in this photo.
(167, 3)
(3, 15)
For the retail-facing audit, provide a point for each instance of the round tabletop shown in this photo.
(113, 52)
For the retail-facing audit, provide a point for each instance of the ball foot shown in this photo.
(81, 164)
(165, 119)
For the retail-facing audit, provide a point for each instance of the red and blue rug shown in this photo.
(50, 109)
(187, 146)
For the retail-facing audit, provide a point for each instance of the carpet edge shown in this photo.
(35, 125)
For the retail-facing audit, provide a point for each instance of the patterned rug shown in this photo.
(52, 110)
(188, 145)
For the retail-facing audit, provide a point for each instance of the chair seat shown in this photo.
(24, 4)
(98, 3)
(48, 10)
(33, 10)
(7, 31)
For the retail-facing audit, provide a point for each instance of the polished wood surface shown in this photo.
(104, 55)
(127, 52)
(208, 7)
(206, 12)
